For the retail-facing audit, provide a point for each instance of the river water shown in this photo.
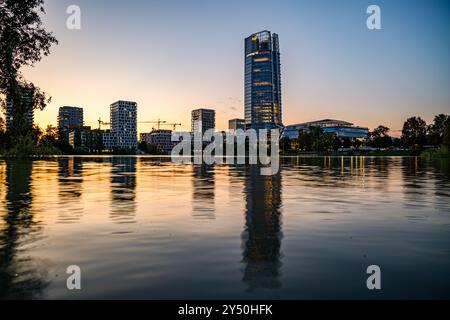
(147, 228)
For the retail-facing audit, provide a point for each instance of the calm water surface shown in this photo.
(147, 228)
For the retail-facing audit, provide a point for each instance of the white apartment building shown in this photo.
(124, 124)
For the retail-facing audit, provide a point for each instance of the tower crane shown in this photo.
(100, 123)
(159, 122)
(175, 125)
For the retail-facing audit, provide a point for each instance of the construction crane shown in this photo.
(174, 125)
(100, 123)
(159, 122)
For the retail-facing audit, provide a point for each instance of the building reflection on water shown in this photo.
(70, 182)
(123, 190)
(262, 237)
(20, 277)
(410, 195)
(203, 192)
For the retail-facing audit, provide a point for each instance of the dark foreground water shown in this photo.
(147, 228)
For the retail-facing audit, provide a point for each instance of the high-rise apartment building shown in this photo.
(124, 124)
(263, 108)
(69, 118)
(203, 120)
(26, 95)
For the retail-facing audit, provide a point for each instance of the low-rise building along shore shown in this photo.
(342, 129)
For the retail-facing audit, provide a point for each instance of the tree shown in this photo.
(24, 41)
(304, 140)
(379, 137)
(285, 144)
(336, 143)
(307, 138)
(347, 143)
(414, 132)
(50, 136)
(436, 130)
(446, 138)
(397, 142)
(3, 137)
(325, 142)
(380, 131)
(315, 139)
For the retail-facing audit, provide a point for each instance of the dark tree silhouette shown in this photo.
(379, 137)
(414, 132)
(24, 41)
(380, 131)
(446, 138)
(436, 130)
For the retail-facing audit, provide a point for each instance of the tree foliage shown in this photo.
(24, 41)
(315, 139)
(436, 130)
(379, 137)
(414, 132)
(446, 138)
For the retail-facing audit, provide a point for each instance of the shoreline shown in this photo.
(305, 155)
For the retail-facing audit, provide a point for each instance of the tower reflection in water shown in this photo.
(203, 192)
(20, 276)
(123, 190)
(261, 240)
(70, 182)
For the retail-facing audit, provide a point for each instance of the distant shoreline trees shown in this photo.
(416, 136)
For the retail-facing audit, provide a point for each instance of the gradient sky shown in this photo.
(173, 56)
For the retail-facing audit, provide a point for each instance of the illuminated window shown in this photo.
(262, 83)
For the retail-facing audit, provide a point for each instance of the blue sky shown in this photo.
(173, 56)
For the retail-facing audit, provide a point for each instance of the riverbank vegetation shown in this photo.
(417, 138)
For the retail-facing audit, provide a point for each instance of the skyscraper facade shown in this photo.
(203, 120)
(124, 124)
(70, 117)
(263, 107)
(26, 96)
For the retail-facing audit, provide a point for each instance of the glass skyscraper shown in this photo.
(263, 108)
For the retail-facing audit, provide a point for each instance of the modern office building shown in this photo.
(68, 119)
(27, 99)
(342, 129)
(203, 120)
(236, 124)
(161, 139)
(124, 124)
(263, 107)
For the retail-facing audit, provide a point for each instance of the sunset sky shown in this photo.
(174, 56)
